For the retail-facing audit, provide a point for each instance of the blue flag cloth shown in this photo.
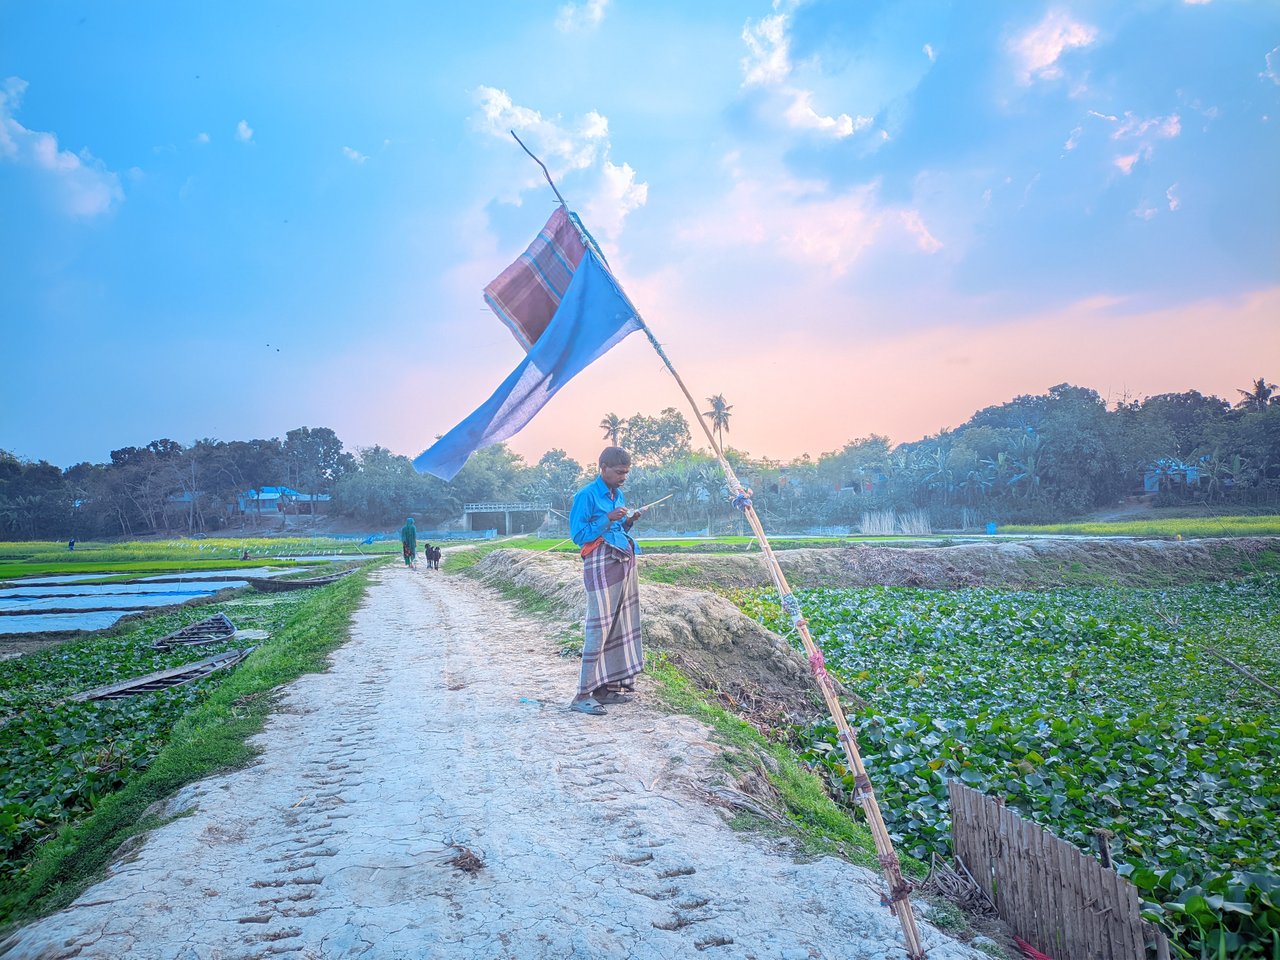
(592, 316)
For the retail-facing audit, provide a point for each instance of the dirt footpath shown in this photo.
(442, 722)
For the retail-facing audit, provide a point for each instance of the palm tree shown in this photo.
(940, 474)
(719, 417)
(612, 426)
(1028, 462)
(1258, 397)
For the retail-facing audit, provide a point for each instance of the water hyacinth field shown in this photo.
(61, 759)
(1111, 709)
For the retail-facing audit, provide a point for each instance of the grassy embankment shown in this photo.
(78, 779)
(722, 544)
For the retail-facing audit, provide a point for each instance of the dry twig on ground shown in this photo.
(465, 859)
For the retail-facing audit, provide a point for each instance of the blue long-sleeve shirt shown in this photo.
(589, 517)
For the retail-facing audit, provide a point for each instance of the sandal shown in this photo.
(614, 696)
(589, 705)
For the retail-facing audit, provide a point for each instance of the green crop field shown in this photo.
(1171, 527)
(42, 558)
(1102, 708)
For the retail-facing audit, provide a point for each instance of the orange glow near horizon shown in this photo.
(810, 397)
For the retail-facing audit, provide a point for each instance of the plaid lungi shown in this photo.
(611, 651)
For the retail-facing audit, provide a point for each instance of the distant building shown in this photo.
(1168, 473)
(506, 518)
(277, 500)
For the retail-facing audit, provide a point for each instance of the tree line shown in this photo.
(1040, 457)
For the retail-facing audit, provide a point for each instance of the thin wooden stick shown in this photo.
(550, 182)
(654, 503)
(1175, 622)
(1243, 671)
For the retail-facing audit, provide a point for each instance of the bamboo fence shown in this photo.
(1063, 902)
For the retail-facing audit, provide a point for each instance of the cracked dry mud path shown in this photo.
(443, 720)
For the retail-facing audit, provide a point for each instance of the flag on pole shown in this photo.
(563, 306)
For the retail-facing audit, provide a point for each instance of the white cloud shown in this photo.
(617, 195)
(581, 16)
(244, 132)
(1158, 127)
(1272, 72)
(1146, 133)
(83, 185)
(930, 52)
(581, 147)
(563, 148)
(1145, 212)
(1073, 140)
(802, 116)
(1038, 50)
(1196, 3)
(768, 65)
(355, 156)
(1172, 196)
(768, 59)
(202, 137)
(802, 221)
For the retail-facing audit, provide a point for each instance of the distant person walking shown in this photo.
(71, 544)
(612, 656)
(409, 540)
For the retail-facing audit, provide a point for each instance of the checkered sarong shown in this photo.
(611, 651)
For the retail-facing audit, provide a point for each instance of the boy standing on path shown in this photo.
(599, 524)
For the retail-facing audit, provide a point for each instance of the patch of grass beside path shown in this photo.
(821, 826)
(459, 561)
(1172, 527)
(210, 739)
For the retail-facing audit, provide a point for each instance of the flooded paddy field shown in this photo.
(48, 592)
(54, 605)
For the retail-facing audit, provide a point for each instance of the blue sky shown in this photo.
(231, 220)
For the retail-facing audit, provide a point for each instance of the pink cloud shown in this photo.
(804, 221)
(1038, 51)
(1126, 163)
(1156, 128)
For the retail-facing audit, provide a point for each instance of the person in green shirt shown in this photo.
(409, 540)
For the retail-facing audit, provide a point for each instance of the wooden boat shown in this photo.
(213, 629)
(271, 585)
(163, 679)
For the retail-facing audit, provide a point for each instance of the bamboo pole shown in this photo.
(899, 899)
(899, 890)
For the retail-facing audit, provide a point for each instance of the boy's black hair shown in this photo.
(614, 457)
